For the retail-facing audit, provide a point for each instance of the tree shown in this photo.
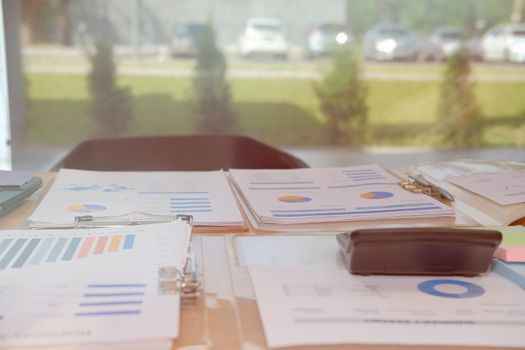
(213, 99)
(458, 111)
(343, 101)
(110, 105)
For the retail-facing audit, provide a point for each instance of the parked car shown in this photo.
(183, 43)
(328, 38)
(442, 43)
(263, 36)
(386, 42)
(504, 42)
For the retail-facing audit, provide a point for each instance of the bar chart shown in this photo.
(18, 253)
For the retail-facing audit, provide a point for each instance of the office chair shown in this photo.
(183, 153)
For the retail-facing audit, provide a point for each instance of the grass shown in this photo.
(281, 112)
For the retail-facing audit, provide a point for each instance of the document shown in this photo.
(63, 287)
(480, 188)
(331, 195)
(503, 188)
(315, 306)
(204, 195)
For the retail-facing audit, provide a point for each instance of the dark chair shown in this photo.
(187, 153)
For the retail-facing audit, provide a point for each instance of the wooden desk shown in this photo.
(225, 316)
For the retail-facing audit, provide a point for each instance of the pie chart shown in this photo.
(294, 199)
(86, 208)
(376, 195)
(445, 288)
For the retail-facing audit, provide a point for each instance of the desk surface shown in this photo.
(225, 316)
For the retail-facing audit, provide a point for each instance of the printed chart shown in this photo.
(74, 286)
(303, 196)
(206, 196)
(22, 252)
(316, 305)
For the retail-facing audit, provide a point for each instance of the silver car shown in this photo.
(388, 42)
(327, 38)
(442, 43)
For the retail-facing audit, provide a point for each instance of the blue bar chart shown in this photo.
(22, 252)
(111, 300)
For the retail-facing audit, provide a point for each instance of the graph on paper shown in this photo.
(205, 195)
(17, 253)
(72, 286)
(304, 196)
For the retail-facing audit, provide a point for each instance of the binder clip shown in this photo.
(172, 280)
(419, 184)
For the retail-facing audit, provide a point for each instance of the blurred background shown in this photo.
(403, 79)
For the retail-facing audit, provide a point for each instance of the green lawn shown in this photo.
(281, 112)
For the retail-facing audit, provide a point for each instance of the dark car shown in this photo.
(388, 42)
(326, 39)
(184, 39)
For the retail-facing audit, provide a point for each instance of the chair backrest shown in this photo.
(185, 153)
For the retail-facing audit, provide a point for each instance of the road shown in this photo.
(159, 63)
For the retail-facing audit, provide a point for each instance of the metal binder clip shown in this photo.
(172, 280)
(419, 184)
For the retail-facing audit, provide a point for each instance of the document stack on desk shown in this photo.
(84, 288)
(159, 196)
(331, 195)
(490, 192)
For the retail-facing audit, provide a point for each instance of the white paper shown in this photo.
(441, 170)
(313, 306)
(205, 195)
(332, 195)
(89, 286)
(289, 250)
(503, 188)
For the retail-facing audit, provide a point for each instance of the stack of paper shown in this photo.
(99, 286)
(319, 306)
(490, 192)
(331, 195)
(204, 195)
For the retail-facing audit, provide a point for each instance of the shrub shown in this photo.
(110, 105)
(343, 101)
(213, 98)
(458, 112)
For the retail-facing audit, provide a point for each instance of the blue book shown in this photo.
(512, 271)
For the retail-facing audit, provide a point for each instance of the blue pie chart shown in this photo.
(467, 289)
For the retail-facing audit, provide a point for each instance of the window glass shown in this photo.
(118, 68)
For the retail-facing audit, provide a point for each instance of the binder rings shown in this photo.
(11, 197)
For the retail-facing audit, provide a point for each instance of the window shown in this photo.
(269, 86)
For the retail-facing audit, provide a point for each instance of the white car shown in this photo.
(263, 36)
(504, 42)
